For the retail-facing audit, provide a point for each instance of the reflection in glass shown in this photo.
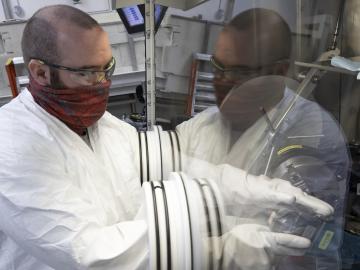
(265, 124)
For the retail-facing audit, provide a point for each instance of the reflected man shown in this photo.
(260, 124)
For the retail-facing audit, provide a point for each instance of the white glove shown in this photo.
(265, 193)
(241, 190)
(253, 247)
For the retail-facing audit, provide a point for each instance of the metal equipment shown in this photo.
(150, 44)
(185, 223)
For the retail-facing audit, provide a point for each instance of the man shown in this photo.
(69, 179)
(67, 190)
(260, 124)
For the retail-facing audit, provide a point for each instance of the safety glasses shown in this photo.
(86, 76)
(235, 73)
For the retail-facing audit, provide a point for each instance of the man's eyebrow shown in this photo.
(89, 67)
(95, 67)
(239, 66)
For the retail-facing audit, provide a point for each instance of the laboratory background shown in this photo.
(164, 76)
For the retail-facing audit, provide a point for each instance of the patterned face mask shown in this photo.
(245, 104)
(78, 107)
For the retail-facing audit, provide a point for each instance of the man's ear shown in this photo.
(39, 71)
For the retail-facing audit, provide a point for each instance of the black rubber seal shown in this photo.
(158, 262)
(208, 223)
(217, 212)
(172, 151)
(179, 150)
(188, 210)
(140, 155)
(168, 235)
(161, 159)
(216, 207)
(147, 158)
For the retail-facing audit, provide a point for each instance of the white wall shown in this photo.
(2, 14)
(286, 8)
(30, 6)
(207, 10)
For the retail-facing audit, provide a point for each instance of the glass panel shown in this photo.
(256, 131)
(250, 85)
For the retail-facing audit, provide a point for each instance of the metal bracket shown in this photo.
(150, 62)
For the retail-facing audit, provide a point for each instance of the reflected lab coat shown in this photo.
(63, 205)
(208, 137)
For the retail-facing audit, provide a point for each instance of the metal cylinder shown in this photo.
(350, 88)
(351, 29)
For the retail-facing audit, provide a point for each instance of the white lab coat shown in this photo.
(66, 206)
(209, 137)
(63, 205)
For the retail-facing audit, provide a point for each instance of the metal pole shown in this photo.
(333, 44)
(7, 11)
(229, 10)
(132, 52)
(150, 63)
(298, 30)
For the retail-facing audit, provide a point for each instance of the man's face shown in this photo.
(238, 58)
(81, 49)
(243, 63)
(231, 53)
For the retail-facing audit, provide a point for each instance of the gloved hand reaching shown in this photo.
(265, 193)
(253, 247)
(240, 189)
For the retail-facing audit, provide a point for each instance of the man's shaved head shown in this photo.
(266, 32)
(40, 38)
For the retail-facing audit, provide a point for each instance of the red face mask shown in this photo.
(78, 107)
